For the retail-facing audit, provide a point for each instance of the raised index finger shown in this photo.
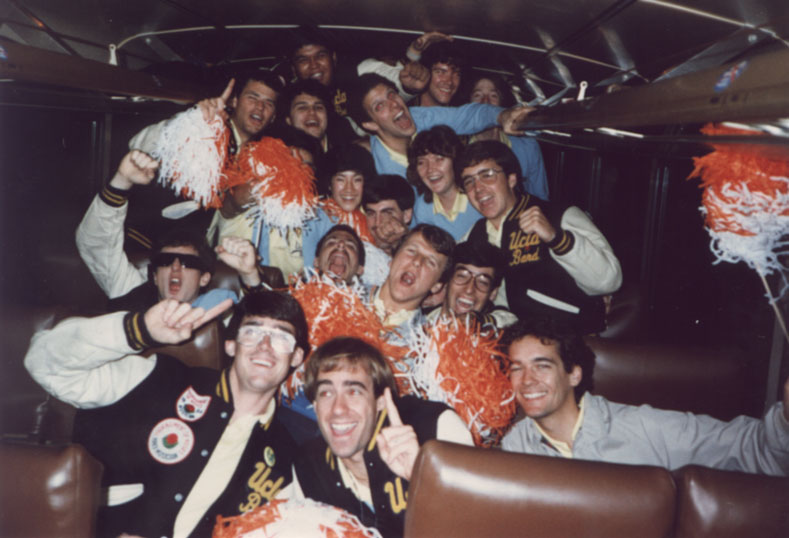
(391, 409)
(228, 90)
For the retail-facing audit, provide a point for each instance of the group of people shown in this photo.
(450, 205)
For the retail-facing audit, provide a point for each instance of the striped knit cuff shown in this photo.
(113, 197)
(137, 334)
(562, 243)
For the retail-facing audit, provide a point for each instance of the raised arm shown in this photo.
(100, 234)
(93, 362)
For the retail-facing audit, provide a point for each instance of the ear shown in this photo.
(512, 180)
(334, 58)
(380, 403)
(575, 376)
(230, 347)
(298, 356)
(205, 278)
(370, 126)
(360, 270)
(315, 262)
(407, 214)
(233, 102)
(436, 287)
(287, 120)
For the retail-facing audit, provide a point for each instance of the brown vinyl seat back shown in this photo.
(668, 376)
(458, 491)
(48, 491)
(726, 504)
(205, 348)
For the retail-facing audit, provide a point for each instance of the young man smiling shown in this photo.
(179, 445)
(551, 375)
(558, 264)
(375, 105)
(364, 459)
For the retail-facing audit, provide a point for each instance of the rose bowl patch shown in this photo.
(171, 441)
(192, 406)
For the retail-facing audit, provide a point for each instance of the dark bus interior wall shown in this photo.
(57, 150)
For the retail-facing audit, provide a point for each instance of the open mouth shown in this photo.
(338, 264)
(174, 286)
(463, 305)
(408, 278)
(533, 395)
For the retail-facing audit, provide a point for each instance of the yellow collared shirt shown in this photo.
(460, 206)
(565, 449)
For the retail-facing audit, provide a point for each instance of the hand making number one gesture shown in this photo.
(397, 443)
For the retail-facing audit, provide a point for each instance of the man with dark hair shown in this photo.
(388, 202)
(558, 264)
(364, 459)
(179, 445)
(446, 66)
(340, 254)
(375, 105)
(308, 107)
(181, 264)
(474, 284)
(551, 375)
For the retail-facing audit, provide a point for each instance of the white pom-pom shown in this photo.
(191, 159)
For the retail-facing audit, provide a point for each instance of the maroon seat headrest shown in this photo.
(48, 491)
(458, 491)
(726, 504)
(205, 348)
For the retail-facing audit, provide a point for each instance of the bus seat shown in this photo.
(726, 504)
(48, 491)
(672, 376)
(492, 493)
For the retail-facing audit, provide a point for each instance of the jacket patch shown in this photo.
(171, 441)
(192, 406)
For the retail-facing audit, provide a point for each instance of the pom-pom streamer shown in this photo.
(458, 364)
(192, 156)
(293, 519)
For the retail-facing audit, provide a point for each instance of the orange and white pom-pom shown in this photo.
(192, 156)
(282, 186)
(745, 202)
(293, 519)
(355, 219)
(457, 363)
(333, 310)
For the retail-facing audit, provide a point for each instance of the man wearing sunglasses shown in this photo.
(557, 263)
(179, 445)
(474, 285)
(182, 265)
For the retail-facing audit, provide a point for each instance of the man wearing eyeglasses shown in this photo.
(558, 264)
(473, 286)
(179, 445)
(182, 265)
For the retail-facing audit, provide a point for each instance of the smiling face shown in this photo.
(175, 281)
(493, 198)
(467, 297)
(379, 216)
(444, 84)
(339, 256)
(263, 354)
(542, 387)
(314, 62)
(346, 189)
(436, 172)
(485, 91)
(390, 118)
(308, 114)
(415, 272)
(254, 109)
(346, 407)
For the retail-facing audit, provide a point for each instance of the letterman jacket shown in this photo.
(154, 421)
(319, 476)
(562, 279)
